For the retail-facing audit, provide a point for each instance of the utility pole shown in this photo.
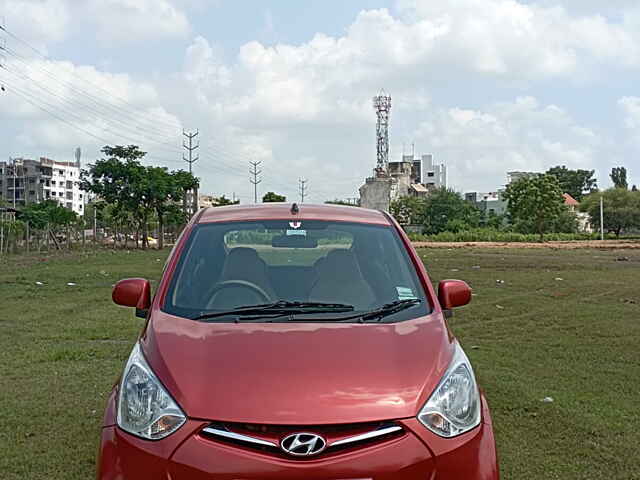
(255, 181)
(303, 189)
(601, 219)
(190, 147)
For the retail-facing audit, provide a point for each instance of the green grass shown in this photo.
(575, 340)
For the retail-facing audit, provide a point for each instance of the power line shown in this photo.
(63, 115)
(255, 172)
(25, 96)
(109, 124)
(122, 100)
(98, 102)
(114, 120)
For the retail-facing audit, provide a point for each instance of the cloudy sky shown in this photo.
(487, 86)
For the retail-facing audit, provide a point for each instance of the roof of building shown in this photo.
(282, 211)
(569, 200)
(418, 187)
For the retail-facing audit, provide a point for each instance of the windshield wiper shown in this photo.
(377, 313)
(390, 308)
(281, 307)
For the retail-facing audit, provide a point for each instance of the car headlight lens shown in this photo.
(145, 409)
(454, 406)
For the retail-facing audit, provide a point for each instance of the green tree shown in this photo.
(340, 202)
(135, 191)
(188, 183)
(408, 210)
(48, 212)
(576, 183)
(273, 197)
(445, 206)
(117, 180)
(491, 219)
(619, 177)
(223, 201)
(535, 200)
(621, 209)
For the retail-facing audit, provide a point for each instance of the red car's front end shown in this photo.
(297, 394)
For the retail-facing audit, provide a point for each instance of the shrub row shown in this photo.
(490, 235)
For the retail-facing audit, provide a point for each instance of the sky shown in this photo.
(486, 86)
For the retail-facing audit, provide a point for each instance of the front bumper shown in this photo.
(416, 455)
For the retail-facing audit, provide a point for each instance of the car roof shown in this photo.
(283, 211)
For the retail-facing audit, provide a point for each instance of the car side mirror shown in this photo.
(133, 292)
(452, 294)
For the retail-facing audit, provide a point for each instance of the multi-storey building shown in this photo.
(24, 181)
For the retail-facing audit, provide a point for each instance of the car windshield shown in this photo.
(318, 269)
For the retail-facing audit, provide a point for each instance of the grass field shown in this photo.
(564, 324)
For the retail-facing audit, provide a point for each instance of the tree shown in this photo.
(445, 206)
(408, 210)
(619, 177)
(537, 200)
(634, 189)
(116, 180)
(188, 183)
(223, 201)
(160, 193)
(136, 191)
(621, 209)
(273, 197)
(47, 213)
(341, 202)
(576, 183)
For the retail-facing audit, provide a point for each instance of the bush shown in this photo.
(492, 235)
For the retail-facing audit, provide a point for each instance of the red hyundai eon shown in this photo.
(291, 343)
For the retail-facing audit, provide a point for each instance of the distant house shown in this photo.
(583, 218)
(489, 203)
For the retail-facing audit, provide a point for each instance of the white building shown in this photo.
(433, 175)
(24, 181)
(426, 172)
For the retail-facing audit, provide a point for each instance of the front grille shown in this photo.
(267, 438)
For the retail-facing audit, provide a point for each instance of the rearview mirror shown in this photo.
(452, 294)
(293, 241)
(133, 292)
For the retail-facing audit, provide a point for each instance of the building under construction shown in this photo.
(391, 180)
(24, 181)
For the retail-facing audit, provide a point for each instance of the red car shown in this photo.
(292, 343)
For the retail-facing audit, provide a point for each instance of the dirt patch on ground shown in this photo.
(606, 244)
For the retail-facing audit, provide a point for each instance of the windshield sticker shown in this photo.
(405, 293)
(297, 232)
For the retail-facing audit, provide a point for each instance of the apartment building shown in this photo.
(24, 181)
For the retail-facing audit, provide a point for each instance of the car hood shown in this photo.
(298, 373)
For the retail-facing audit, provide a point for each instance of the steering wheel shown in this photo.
(238, 283)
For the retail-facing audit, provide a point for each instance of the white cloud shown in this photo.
(127, 21)
(630, 107)
(112, 21)
(480, 146)
(305, 109)
(55, 106)
(38, 21)
(509, 38)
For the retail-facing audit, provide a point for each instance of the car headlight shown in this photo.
(145, 409)
(454, 406)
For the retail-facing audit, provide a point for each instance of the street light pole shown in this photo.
(601, 219)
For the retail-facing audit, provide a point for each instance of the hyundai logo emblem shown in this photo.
(303, 444)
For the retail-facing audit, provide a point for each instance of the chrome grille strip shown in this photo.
(366, 436)
(237, 436)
